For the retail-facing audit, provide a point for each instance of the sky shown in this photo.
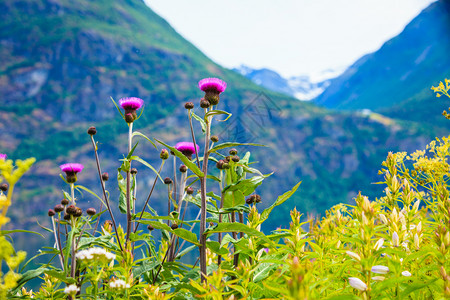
(292, 37)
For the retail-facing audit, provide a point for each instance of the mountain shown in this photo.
(303, 87)
(403, 68)
(62, 60)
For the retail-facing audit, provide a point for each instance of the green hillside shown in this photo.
(61, 61)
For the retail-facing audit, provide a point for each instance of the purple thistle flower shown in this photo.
(187, 148)
(131, 103)
(3, 156)
(214, 84)
(266, 250)
(71, 171)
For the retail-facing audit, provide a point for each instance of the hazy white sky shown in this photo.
(292, 37)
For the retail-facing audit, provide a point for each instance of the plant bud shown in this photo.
(164, 154)
(183, 169)
(257, 198)
(235, 158)
(150, 227)
(105, 176)
(378, 278)
(133, 171)
(226, 166)
(219, 164)
(58, 208)
(353, 255)
(92, 130)
(65, 202)
(78, 212)
(204, 103)
(357, 284)
(189, 190)
(174, 226)
(233, 151)
(4, 187)
(395, 239)
(67, 217)
(380, 269)
(107, 226)
(51, 212)
(189, 105)
(167, 180)
(406, 274)
(416, 241)
(129, 118)
(91, 211)
(214, 138)
(383, 219)
(71, 209)
(378, 244)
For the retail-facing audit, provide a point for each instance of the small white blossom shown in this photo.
(353, 255)
(395, 239)
(95, 254)
(71, 289)
(378, 278)
(119, 284)
(380, 269)
(378, 244)
(406, 274)
(357, 283)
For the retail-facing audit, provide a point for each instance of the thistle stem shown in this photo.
(149, 195)
(203, 202)
(193, 137)
(57, 243)
(130, 134)
(104, 192)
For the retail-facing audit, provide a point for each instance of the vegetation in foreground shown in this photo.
(396, 247)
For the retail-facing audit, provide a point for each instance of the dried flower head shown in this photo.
(71, 171)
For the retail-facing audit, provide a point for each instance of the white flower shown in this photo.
(378, 244)
(95, 254)
(119, 284)
(380, 269)
(353, 255)
(383, 219)
(406, 274)
(378, 278)
(71, 289)
(416, 241)
(395, 239)
(357, 283)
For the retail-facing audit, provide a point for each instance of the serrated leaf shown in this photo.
(200, 120)
(280, 200)
(232, 144)
(193, 167)
(137, 133)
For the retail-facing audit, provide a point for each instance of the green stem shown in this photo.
(130, 135)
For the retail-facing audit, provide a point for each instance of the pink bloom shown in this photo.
(71, 168)
(3, 156)
(214, 84)
(187, 148)
(131, 103)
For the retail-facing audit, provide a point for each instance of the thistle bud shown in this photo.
(189, 105)
(4, 187)
(129, 118)
(235, 158)
(183, 169)
(167, 180)
(78, 212)
(220, 164)
(204, 103)
(214, 138)
(51, 212)
(150, 227)
(189, 190)
(92, 130)
(105, 176)
(58, 208)
(71, 209)
(174, 226)
(67, 217)
(233, 151)
(164, 154)
(133, 171)
(91, 211)
(257, 198)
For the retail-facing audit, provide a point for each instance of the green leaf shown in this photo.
(280, 200)
(59, 275)
(118, 109)
(216, 248)
(137, 133)
(132, 151)
(237, 227)
(3, 232)
(27, 276)
(137, 158)
(246, 186)
(232, 144)
(157, 225)
(202, 122)
(187, 235)
(192, 166)
(233, 198)
(217, 112)
(186, 251)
